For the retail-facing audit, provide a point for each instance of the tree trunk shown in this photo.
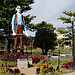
(46, 52)
(8, 45)
(26, 48)
(43, 51)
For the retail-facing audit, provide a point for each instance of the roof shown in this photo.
(61, 28)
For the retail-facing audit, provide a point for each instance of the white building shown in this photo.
(59, 35)
(63, 36)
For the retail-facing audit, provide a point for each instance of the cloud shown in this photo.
(44, 9)
(50, 10)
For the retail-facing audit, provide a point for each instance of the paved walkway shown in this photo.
(28, 71)
(73, 73)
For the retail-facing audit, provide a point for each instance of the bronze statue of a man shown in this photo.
(18, 25)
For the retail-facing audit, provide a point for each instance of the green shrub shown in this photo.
(36, 53)
(1, 52)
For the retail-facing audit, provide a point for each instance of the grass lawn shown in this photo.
(62, 51)
(3, 62)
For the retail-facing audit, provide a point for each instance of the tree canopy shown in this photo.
(62, 31)
(45, 36)
(68, 19)
(7, 9)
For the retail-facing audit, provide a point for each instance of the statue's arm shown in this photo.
(13, 22)
(24, 26)
(13, 25)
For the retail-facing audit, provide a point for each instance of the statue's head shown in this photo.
(18, 8)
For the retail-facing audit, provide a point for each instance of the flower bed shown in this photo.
(67, 65)
(36, 59)
(45, 69)
(8, 71)
(15, 56)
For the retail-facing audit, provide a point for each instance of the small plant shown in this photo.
(46, 70)
(10, 70)
(8, 73)
(38, 70)
(42, 71)
(16, 71)
(0, 68)
(67, 65)
(12, 65)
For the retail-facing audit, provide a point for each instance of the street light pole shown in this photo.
(31, 45)
(72, 39)
(73, 51)
(59, 57)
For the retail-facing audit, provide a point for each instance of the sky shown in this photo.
(49, 11)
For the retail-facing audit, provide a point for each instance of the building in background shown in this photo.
(67, 41)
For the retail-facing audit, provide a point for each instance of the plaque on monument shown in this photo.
(22, 63)
(30, 60)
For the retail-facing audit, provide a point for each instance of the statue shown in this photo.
(18, 26)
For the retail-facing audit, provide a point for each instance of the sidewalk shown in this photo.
(28, 71)
(73, 73)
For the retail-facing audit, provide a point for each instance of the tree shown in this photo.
(62, 31)
(7, 9)
(67, 20)
(45, 36)
(28, 41)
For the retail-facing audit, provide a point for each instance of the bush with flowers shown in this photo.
(5, 55)
(36, 59)
(38, 70)
(8, 71)
(16, 71)
(45, 69)
(68, 65)
(15, 56)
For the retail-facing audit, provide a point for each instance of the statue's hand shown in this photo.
(25, 32)
(14, 33)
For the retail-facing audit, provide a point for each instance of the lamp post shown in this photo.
(59, 56)
(73, 51)
(31, 45)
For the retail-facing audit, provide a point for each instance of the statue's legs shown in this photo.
(15, 43)
(19, 30)
(15, 39)
(21, 45)
(21, 42)
(21, 39)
